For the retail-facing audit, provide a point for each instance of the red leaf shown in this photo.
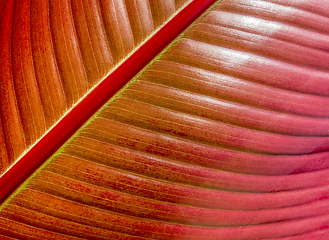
(223, 136)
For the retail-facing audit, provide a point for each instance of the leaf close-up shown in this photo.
(163, 119)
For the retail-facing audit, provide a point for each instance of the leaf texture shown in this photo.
(54, 52)
(223, 136)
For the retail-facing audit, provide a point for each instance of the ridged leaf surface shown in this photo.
(223, 136)
(53, 52)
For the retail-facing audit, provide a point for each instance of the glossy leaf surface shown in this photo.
(223, 136)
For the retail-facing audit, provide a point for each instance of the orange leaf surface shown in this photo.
(224, 135)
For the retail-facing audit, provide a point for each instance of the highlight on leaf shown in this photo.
(223, 136)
